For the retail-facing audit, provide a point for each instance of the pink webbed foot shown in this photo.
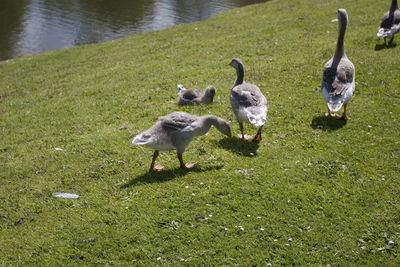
(157, 168)
(189, 165)
(245, 136)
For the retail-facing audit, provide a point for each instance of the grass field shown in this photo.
(314, 192)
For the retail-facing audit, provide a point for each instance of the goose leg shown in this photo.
(186, 166)
(243, 136)
(344, 117)
(391, 39)
(328, 114)
(384, 39)
(153, 161)
(258, 138)
(241, 129)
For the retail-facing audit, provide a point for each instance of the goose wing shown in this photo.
(337, 80)
(177, 121)
(190, 94)
(396, 22)
(386, 22)
(247, 95)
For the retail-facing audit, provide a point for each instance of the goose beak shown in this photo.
(230, 135)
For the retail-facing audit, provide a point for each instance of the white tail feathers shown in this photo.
(141, 139)
(259, 118)
(180, 88)
(384, 33)
(334, 107)
(257, 121)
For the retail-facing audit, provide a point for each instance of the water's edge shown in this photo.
(36, 26)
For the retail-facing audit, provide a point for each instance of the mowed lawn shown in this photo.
(314, 191)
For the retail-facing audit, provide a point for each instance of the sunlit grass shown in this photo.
(314, 191)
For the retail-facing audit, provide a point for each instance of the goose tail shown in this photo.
(334, 107)
(382, 33)
(258, 117)
(140, 139)
(180, 89)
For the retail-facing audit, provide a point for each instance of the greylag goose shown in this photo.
(338, 75)
(175, 131)
(248, 103)
(194, 97)
(390, 24)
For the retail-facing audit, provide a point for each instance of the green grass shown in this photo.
(323, 191)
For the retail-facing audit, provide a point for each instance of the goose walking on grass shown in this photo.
(175, 131)
(195, 97)
(338, 76)
(390, 24)
(248, 103)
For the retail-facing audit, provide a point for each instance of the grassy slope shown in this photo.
(324, 192)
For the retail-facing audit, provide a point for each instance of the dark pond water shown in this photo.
(35, 26)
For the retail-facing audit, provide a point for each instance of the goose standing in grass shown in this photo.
(390, 24)
(248, 103)
(338, 77)
(194, 97)
(175, 131)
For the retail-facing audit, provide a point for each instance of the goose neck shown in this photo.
(339, 53)
(215, 121)
(206, 123)
(240, 75)
(394, 6)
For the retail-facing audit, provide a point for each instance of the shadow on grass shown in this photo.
(167, 175)
(327, 123)
(240, 147)
(379, 47)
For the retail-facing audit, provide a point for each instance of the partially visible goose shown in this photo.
(338, 77)
(175, 131)
(194, 97)
(248, 103)
(390, 24)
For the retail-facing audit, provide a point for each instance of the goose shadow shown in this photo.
(327, 123)
(240, 147)
(167, 175)
(379, 47)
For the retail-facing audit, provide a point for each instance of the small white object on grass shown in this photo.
(65, 195)
(58, 149)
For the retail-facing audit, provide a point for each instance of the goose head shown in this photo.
(236, 63)
(342, 16)
(225, 128)
(210, 91)
(222, 125)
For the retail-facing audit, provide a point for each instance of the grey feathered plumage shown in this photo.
(247, 101)
(390, 23)
(195, 97)
(176, 130)
(338, 81)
